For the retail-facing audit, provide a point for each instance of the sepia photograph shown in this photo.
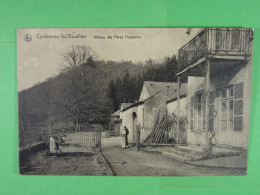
(134, 101)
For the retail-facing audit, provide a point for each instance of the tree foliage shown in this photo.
(128, 88)
(88, 89)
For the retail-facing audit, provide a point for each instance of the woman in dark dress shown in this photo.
(126, 138)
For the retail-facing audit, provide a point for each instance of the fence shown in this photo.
(33, 134)
(83, 138)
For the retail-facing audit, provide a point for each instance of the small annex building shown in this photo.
(156, 99)
(115, 122)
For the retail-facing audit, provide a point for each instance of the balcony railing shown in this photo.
(216, 41)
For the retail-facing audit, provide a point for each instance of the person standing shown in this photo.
(126, 136)
(122, 133)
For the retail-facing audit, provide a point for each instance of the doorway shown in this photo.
(134, 125)
(226, 115)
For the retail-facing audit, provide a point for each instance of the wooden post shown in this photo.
(207, 94)
(138, 128)
(178, 111)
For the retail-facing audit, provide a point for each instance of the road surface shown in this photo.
(42, 164)
(129, 162)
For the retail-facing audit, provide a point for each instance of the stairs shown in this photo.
(193, 153)
(181, 155)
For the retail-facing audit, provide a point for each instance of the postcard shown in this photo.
(134, 101)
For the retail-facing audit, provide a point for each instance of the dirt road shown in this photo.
(42, 164)
(129, 162)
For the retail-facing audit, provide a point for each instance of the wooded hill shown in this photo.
(87, 90)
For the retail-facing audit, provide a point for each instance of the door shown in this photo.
(226, 116)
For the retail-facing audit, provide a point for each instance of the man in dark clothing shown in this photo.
(126, 134)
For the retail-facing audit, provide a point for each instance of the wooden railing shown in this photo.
(225, 41)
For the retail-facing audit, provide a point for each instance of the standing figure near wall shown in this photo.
(122, 133)
(126, 136)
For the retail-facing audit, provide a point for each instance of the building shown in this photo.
(218, 65)
(156, 99)
(115, 122)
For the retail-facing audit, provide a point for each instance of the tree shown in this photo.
(171, 69)
(77, 56)
(79, 87)
(112, 93)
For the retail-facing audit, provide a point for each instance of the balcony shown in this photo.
(216, 42)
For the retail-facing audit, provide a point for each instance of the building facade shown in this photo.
(218, 65)
(156, 100)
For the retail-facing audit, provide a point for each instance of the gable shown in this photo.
(144, 93)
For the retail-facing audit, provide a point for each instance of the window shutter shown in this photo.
(238, 107)
(238, 91)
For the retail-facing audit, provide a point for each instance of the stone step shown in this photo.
(197, 152)
(184, 154)
(175, 156)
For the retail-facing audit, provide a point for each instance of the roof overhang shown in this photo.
(217, 61)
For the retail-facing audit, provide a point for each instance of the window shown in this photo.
(231, 108)
(226, 122)
(198, 112)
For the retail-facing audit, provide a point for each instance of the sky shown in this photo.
(38, 56)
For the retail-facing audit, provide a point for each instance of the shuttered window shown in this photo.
(238, 107)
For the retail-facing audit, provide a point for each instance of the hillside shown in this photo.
(39, 103)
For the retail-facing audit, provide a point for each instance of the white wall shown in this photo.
(172, 107)
(127, 120)
(194, 84)
(238, 74)
(144, 93)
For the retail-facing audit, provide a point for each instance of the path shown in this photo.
(129, 162)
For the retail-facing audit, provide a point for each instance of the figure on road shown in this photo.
(122, 133)
(126, 136)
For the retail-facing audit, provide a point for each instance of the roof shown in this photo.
(125, 105)
(132, 105)
(168, 88)
(154, 88)
(140, 102)
(116, 113)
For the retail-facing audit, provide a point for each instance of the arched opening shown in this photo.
(134, 125)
